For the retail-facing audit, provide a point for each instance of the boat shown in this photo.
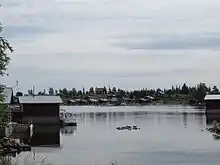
(123, 104)
(67, 118)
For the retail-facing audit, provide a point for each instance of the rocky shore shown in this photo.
(10, 146)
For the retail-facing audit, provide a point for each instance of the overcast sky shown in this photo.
(129, 44)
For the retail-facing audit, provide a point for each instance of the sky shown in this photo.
(130, 44)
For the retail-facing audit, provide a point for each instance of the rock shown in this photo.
(118, 128)
(134, 127)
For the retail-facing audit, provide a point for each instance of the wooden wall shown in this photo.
(213, 106)
(45, 114)
(39, 110)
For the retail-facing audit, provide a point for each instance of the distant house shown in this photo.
(71, 102)
(39, 110)
(100, 91)
(128, 100)
(93, 101)
(115, 101)
(212, 103)
(81, 101)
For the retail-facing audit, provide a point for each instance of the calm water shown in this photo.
(168, 136)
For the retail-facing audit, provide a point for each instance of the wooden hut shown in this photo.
(40, 109)
(212, 103)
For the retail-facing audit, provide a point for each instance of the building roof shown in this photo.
(106, 100)
(212, 97)
(72, 101)
(93, 100)
(114, 99)
(150, 97)
(7, 95)
(40, 100)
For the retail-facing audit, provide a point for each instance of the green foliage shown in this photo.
(4, 49)
(3, 114)
(91, 91)
(185, 89)
(114, 89)
(51, 91)
(179, 93)
(215, 90)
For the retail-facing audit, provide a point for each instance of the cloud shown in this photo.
(27, 31)
(126, 43)
(127, 79)
(210, 41)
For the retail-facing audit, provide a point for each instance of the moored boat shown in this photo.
(67, 118)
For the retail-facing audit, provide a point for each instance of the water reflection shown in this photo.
(210, 117)
(164, 138)
(113, 117)
(44, 137)
(68, 130)
(95, 123)
(185, 119)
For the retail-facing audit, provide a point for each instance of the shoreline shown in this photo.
(138, 105)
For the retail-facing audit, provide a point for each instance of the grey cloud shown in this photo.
(210, 41)
(23, 31)
(11, 3)
(123, 73)
(43, 78)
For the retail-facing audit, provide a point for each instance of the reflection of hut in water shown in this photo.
(210, 117)
(44, 136)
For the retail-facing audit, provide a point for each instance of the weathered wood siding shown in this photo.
(41, 110)
(212, 106)
(40, 114)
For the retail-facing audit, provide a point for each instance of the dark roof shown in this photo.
(40, 100)
(7, 95)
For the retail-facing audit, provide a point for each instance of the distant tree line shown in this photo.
(196, 92)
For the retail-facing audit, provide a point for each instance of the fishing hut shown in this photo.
(39, 110)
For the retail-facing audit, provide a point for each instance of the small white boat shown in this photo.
(123, 104)
(67, 118)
